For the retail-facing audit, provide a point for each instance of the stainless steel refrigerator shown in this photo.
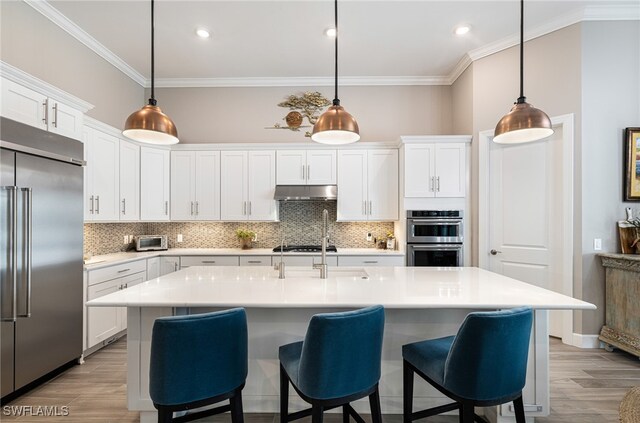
(41, 230)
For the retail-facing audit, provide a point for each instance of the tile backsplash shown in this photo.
(300, 223)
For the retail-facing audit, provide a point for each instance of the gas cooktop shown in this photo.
(305, 249)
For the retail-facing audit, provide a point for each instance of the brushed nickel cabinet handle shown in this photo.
(124, 206)
(55, 115)
(123, 270)
(244, 208)
(370, 261)
(249, 208)
(97, 204)
(208, 261)
(431, 186)
(308, 172)
(166, 208)
(303, 175)
(197, 208)
(254, 261)
(91, 207)
(438, 179)
(370, 207)
(45, 115)
(192, 208)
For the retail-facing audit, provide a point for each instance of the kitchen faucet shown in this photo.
(325, 240)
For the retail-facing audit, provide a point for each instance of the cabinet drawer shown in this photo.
(187, 261)
(255, 261)
(117, 271)
(305, 260)
(371, 261)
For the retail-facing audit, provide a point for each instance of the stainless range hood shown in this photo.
(306, 192)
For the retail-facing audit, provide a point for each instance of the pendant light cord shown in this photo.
(336, 100)
(522, 98)
(152, 100)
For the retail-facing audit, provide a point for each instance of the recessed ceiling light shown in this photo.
(462, 29)
(202, 33)
(330, 32)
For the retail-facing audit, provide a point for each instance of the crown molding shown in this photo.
(319, 81)
(81, 35)
(21, 77)
(309, 145)
(588, 13)
(102, 127)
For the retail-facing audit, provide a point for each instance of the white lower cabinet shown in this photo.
(103, 323)
(169, 264)
(255, 260)
(357, 261)
(188, 261)
(305, 260)
(153, 268)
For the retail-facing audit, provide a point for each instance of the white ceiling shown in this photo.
(284, 39)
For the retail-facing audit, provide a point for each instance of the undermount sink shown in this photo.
(334, 272)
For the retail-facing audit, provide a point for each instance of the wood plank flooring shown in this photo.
(586, 387)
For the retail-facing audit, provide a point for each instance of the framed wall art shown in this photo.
(632, 165)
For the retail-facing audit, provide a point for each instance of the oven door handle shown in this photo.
(437, 222)
(441, 247)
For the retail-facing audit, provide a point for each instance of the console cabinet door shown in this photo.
(154, 184)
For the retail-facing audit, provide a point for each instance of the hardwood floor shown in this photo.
(586, 387)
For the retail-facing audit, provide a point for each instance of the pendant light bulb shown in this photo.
(336, 126)
(524, 123)
(149, 125)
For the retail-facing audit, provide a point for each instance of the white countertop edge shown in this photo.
(105, 260)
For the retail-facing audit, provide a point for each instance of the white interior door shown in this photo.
(525, 215)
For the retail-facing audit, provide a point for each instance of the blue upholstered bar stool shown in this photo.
(338, 362)
(484, 365)
(196, 361)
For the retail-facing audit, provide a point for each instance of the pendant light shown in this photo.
(524, 123)
(336, 126)
(149, 125)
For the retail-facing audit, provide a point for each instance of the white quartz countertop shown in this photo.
(97, 262)
(393, 287)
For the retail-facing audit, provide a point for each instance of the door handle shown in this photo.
(12, 242)
(26, 247)
(494, 252)
(45, 115)
(55, 115)
(91, 207)
(97, 204)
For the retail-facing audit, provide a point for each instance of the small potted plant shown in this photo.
(245, 236)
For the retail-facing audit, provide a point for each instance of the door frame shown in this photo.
(566, 122)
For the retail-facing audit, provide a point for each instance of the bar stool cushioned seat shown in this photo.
(338, 362)
(198, 360)
(485, 364)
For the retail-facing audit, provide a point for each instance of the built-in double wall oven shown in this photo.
(435, 238)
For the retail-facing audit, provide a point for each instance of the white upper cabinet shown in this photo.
(195, 185)
(102, 178)
(306, 167)
(154, 184)
(367, 185)
(247, 185)
(30, 107)
(129, 181)
(434, 170)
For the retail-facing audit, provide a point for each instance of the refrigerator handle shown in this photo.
(12, 242)
(26, 246)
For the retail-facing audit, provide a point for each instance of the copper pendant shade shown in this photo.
(524, 123)
(149, 125)
(336, 126)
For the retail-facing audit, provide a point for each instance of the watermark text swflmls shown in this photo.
(35, 410)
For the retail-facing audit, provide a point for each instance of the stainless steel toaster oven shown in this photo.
(151, 242)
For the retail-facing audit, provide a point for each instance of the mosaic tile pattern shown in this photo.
(300, 222)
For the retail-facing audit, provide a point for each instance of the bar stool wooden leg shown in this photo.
(407, 392)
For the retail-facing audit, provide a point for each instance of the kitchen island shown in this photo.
(419, 303)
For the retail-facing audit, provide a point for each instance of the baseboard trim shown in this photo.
(586, 341)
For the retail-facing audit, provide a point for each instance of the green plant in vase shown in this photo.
(245, 236)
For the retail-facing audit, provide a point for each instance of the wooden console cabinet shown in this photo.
(622, 321)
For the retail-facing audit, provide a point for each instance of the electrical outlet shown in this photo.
(369, 237)
(130, 239)
(179, 238)
(597, 244)
(255, 238)
(126, 239)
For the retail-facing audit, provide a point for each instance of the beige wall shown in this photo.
(32, 43)
(462, 98)
(212, 115)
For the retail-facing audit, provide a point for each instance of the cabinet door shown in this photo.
(207, 192)
(183, 185)
(419, 173)
(129, 181)
(103, 166)
(23, 104)
(102, 322)
(169, 265)
(154, 184)
(126, 283)
(64, 120)
(352, 185)
(153, 268)
(87, 176)
(321, 167)
(450, 170)
(233, 185)
(383, 184)
(292, 167)
(262, 185)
